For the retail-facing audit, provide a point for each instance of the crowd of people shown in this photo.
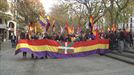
(120, 39)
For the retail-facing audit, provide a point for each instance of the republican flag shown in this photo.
(54, 49)
(42, 21)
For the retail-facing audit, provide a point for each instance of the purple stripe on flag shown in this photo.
(81, 54)
(38, 54)
(42, 23)
(60, 55)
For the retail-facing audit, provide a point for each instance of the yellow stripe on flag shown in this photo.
(42, 19)
(90, 48)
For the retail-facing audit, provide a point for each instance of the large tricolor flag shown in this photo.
(54, 49)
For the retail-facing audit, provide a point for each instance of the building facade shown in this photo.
(3, 28)
(7, 25)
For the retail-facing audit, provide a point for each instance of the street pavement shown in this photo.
(90, 65)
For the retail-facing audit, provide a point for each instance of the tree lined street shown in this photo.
(71, 22)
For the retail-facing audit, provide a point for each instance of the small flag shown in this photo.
(42, 21)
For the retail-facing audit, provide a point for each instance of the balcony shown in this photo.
(3, 26)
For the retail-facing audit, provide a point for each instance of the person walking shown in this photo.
(13, 40)
(121, 39)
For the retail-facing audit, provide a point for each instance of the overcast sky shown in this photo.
(48, 4)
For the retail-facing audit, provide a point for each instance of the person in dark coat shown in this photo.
(121, 39)
(13, 40)
(131, 39)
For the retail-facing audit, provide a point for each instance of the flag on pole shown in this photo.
(42, 21)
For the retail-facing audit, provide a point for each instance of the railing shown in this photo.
(3, 26)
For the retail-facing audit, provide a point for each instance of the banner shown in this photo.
(54, 49)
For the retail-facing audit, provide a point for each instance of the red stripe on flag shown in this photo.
(39, 42)
(55, 43)
(90, 43)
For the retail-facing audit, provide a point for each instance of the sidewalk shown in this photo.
(90, 65)
(6, 45)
